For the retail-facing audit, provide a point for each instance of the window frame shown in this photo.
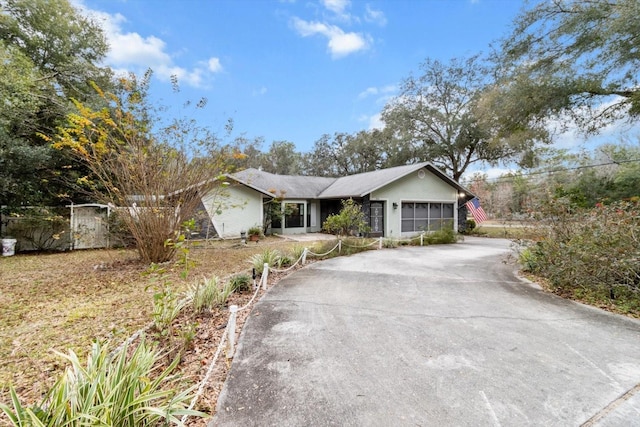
(418, 221)
(301, 216)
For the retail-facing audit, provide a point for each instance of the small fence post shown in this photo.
(254, 279)
(304, 256)
(232, 330)
(265, 275)
(421, 239)
(339, 246)
(380, 243)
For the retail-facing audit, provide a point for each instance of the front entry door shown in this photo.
(376, 219)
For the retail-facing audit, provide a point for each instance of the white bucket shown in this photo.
(9, 247)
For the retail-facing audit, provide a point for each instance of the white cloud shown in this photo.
(340, 44)
(376, 122)
(373, 122)
(305, 28)
(131, 52)
(375, 91)
(370, 91)
(375, 16)
(131, 48)
(214, 65)
(338, 8)
(192, 77)
(260, 92)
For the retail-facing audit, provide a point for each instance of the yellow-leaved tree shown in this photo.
(152, 169)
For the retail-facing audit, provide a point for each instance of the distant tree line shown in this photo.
(607, 174)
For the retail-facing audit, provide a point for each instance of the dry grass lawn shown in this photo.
(508, 229)
(66, 300)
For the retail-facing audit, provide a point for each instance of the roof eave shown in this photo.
(246, 184)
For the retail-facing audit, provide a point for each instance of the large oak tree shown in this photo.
(573, 58)
(445, 116)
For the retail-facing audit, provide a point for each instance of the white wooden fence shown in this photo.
(89, 226)
(83, 226)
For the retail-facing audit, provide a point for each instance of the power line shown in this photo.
(551, 172)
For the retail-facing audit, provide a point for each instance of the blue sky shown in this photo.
(297, 69)
(294, 70)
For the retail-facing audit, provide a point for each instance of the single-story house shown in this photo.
(398, 202)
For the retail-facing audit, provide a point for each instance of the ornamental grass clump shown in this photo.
(112, 389)
(241, 283)
(354, 245)
(208, 294)
(325, 249)
(297, 251)
(268, 256)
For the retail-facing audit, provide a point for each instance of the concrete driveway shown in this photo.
(429, 336)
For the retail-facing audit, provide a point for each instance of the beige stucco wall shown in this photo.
(239, 208)
(412, 188)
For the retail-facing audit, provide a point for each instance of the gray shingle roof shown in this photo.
(314, 187)
(364, 183)
(289, 186)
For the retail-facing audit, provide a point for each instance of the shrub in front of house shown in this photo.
(256, 230)
(469, 226)
(349, 221)
(443, 236)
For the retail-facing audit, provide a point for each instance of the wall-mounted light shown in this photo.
(395, 205)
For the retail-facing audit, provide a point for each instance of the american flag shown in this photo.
(479, 215)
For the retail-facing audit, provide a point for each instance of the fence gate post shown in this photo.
(265, 275)
(232, 330)
(72, 229)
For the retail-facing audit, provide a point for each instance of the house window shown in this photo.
(276, 222)
(294, 217)
(426, 216)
